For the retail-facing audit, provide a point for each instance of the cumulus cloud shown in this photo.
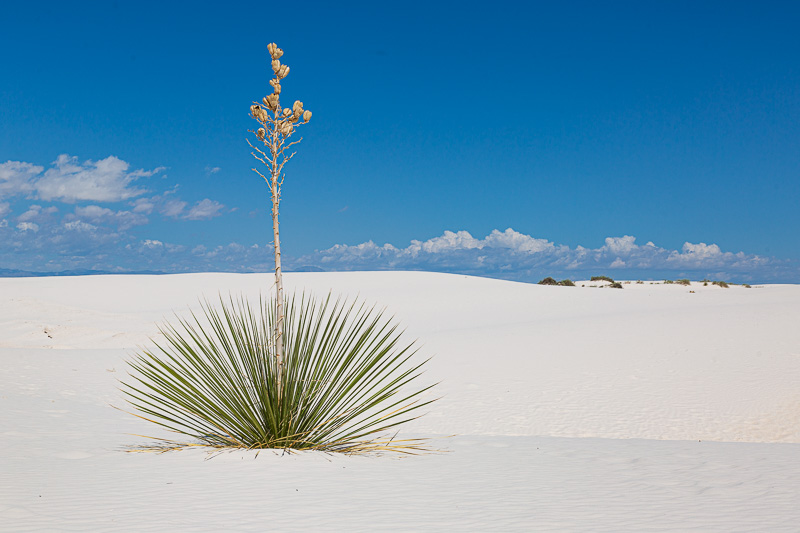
(106, 180)
(93, 237)
(102, 215)
(28, 226)
(513, 255)
(204, 210)
(17, 178)
(37, 213)
(79, 225)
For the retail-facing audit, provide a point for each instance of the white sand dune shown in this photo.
(650, 408)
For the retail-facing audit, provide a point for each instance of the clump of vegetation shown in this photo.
(215, 378)
(287, 373)
(601, 278)
(722, 284)
(551, 281)
(683, 282)
(746, 286)
(639, 282)
(615, 285)
(668, 282)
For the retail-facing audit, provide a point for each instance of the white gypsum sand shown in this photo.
(575, 408)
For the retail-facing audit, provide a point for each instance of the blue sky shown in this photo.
(514, 140)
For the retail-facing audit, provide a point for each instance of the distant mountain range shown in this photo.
(14, 273)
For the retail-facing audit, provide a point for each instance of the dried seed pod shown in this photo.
(263, 115)
(284, 128)
(276, 66)
(254, 110)
(297, 108)
(287, 112)
(306, 116)
(274, 51)
(260, 133)
(282, 72)
(276, 85)
(272, 102)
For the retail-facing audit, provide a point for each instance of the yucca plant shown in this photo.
(290, 374)
(345, 369)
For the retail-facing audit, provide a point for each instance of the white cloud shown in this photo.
(172, 208)
(620, 245)
(28, 226)
(176, 208)
(152, 243)
(106, 180)
(204, 209)
(513, 255)
(122, 219)
(36, 212)
(516, 241)
(17, 178)
(78, 225)
(212, 170)
(143, 205)
(5, 208)
(617, 263)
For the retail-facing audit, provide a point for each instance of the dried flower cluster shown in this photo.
(279, 120)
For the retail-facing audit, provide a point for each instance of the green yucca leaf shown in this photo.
(347, 378)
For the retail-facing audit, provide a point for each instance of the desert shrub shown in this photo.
(615, 285)
(339, 387)
(683, 282)
(639, 282)
(668, 282)
(548, 281)
(566, 283)
(601, 278)
(722, 284)
(746, 286)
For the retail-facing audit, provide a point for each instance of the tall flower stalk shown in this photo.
(278, 124)
(292, 373)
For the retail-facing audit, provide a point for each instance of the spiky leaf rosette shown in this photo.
(345, 378)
